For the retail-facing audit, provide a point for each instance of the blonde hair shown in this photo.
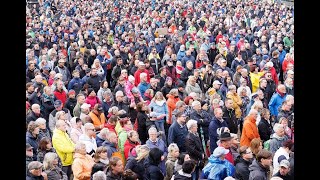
(172, 147)
(142, 152)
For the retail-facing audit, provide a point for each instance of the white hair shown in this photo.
(191, 123)
(289, 97)
(253, 111)
(48, 160)
(40, 121)
(195, 103)
(152, 129)
(277, 126)
(100, 175)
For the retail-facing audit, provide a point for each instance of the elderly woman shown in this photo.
(155, 142)
(193, 86)
(76, 129)
(51, 167)
(44, 132)
(277, 138)
(173, 154)
(136, 164)
(96, 64)
(82, 163)
(33, 137)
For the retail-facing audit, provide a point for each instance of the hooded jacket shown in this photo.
(257, 171)
(217, 169)
(82, 166)
(249, 131)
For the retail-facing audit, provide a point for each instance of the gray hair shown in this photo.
(59, 114)
(88, 126)
(191, 123)
(180, 104)
(40, 121)
(107, 93)
(289, 97)
(100, 175)
(104, 133)
(80, 145)
(35, 106)
(152, 129)
(172, 147)
(48, 160)
(277, 126)
(253, 111)
(195, 103)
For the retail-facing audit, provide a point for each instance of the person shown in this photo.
(53, 118)
(84, 113)
(82, 163)
(97, 116)
(33, 137)
(265, 125)
(172, 99)
(142, 120)
(229, 115)
(132, 141)
(115, 169)
(111, 143)
(43, 130)
(51, 167)
(136, 164)
(143, 85)
(216, 123)
(284, 170)
(178, 131)
(277, 138)
(237, 102)
(261, 165)
(64, 146)
(218, 167)
(194, 147)
(88, 138)
(80, 100)
(225, 140)
(276, 100)
(250, 130)
(287, 129)
(45, 146)
(34, 114)
(188, 167)
(35, 171)
(29, 155)
(101, 157)
(99, 175)
(282, 153)
(152, 166)
(103, 88)
(173, 154)
(77, 129)
(243, 162)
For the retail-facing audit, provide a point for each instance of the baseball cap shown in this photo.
(135, 90)
(219, 151)
(284, 163)
(216, 82)
(57, 103)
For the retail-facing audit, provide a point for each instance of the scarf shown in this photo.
(280, 93)
(47, 98)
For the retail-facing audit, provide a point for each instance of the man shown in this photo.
(97, 117)
(32, 94)
(88, 138)
(171, 71)
(161, 78)
(61, 68)
(52, 116)
(229, 116)
(102, 136)
(38, 84)
(84, 113)
(276, 100)
(119, 102)
(107, 101)
(188, 71)
(64, 146)
(121, 83)
(181, 90)
(59, 93)
(35, 171)
(216, 122)
(270, 87)
(188, 57)
(111, 143)
(143, 85)
(116, 71)
(29, 155)
(284, 170)
(76, 83)
(71, 101)
(236, 62)
(261, 165)
(140, 70)
(285, 111)
(243, 162)
(34, 114)
(94, 80)
(80, 100)
(216, 86)
(250, 129)
(180, 107)
(244, 75)
(154, 84)
(225, 140)
(178, 131)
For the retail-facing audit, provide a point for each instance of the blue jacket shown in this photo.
(213, 136)
(111, 147)
(282, 55)
(34, 142)
(143, 86)
(160, 144)
(180, 55)
(99, 141)
(275, 102)
(177, 134)
(217, 169)
(159, 109)
(75, 84)
(187, 58)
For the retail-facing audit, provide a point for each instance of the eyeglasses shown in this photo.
(92, 130)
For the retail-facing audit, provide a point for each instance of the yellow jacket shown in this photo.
(82, 166)
(255, 78)
(237, 102)
(64, 146)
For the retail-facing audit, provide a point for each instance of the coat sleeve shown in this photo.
(78, 171)
(60, 145)
(272, 104)
(170, 135)
(263, 131)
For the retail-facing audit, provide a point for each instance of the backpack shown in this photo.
(266, 144)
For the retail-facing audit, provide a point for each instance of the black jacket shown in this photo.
(257, 171)
(287, 177)
(94, 82)
(242, 169)
(230, 117)
(194, 146)
(185, 74)
(265, 129)
(33, 177)
(33, 117)
(203, 120)
(70, 104)
(111, 176)
(119, 87)
(34, 142)
(162, 80)
(153, 172)
(142, 118)
(137, 167)
(121, 105)
(270, 89)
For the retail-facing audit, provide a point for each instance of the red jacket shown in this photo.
(137, 76)
(128, 146)
(110, 127)
(285, 64)
(61, 95)
(92, 100)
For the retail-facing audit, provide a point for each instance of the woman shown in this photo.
(193, 86)
(45, 146)
(173, 98)
(47, 102)
(255, 146)
(76, 129)
(250, 129)
(82, 163)
(188, 100)
(100, 158)
(131, 142)
(287, 129)
(148, 95)
(92, 98)
(159, 106)
(136, 164)
(168, 85)
(103, 88)
(243, 84)
(265, 126)
(245, 102)
(152, 166)
(142, 120)
(126, 126)
(115, 169)
(180, 160)
(43, 132)
(33, 138)
(96, 64)
(173, 154)
(227, 81)
(237, 102)
(51, 167)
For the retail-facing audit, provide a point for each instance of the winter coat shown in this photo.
(276, 142)
(94, 82)
(275, 102)
(217, 169)
(180, 175)
(97, 121)
(111, 148)
(153, 172)
(128, 146)
(194, 147)
(41, 154)
(193, 88)
(265, 129)
(170, 167)
(242, 169)
(60, 95)
(171, 103)
(75, 84)
(33, 177)
(142, 130)
(230, 117)
(249, 131)
(82, 166)
(257, 171)
(143, 86)
(92, 100)
(137, 167)
(34, 142)
(237, 102)
(56, 174)
(70, 104)
(203, 120)
(213, 136)
(63, 146)
(185, 75)
(177, 134)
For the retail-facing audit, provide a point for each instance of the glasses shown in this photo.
(92, 130)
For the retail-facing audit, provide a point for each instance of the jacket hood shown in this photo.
(216, 160)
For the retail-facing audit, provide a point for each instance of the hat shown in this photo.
(71, 92)
(203, 103)
(99, 107)
(265, 57)
(290, 72)
(225, 136)
(88, 70)
(28, 146)
(141, 63)
(216, 82)
(90, 90)
(57, 103)
(85, 106)
(135, 90)
(34, 165)
(284, 163)
(219, 151)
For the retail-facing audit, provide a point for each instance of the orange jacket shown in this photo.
(237, 102)
(97, 121)
(249, 131)
(171, 103)
(82, 166)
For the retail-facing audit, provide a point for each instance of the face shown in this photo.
(280, 132)
(248, 154)
(176, 153)
(219, 114)
(36, 130)
(134, 137)
(186, 157)
(194, 128)
(36, 172)
(118, 168)
(91, 131)
(103, 155)
(113, 139)
(29, 152)
(49, 145)
(153, 136)
(229, 104)
(63, 127)
(284, 171)
(266, 162)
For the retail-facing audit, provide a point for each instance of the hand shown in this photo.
(162, 158)
(133, 104)
(44, 175)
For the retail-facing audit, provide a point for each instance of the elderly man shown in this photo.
(180, 107)
(34, 114)
(119, 102)
(193, 86)
(111, 143)
(85, 110)
(143, 85)
(64, 146)
(80, 100)
(276, 100)
(216, 122)
(141, 69)
(35, 171)
(88, 138)
(178, 131)
(102, 136)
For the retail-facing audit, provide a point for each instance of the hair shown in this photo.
(128, 174)
(181, 158)
(40, 121)
(264, 111)
(172, 147)
(123, 121)
(99, 150)
(43, 143)
(277, 126)
(155, 156)
(243, 149)
(188, 166)
(139, 106)
(142, 152)
(102, 83)
(255, 105)
(28, 85)
(152, 129)
(32, 126)
(113, 161)
(113, 119)
(48, 160)
(288, 144)
(99, 175)
(187, 100)
(191, 123)
(173, 91)
(59, 114)
(254, 145)
(79, 146)
(265, 154)
(180, 104)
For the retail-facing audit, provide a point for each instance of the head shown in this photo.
(189, 166)
(245, 153)
(192, 126)
(281, 88)
(218, 113)
(29, 150)
(89, 130)
(61, 125)
(35, 168)
(50, 161)
(264, 157)
(33, 128)
(284, 167)
(173, 150)
(256, 145)
(155, 156)
(101, 153)
(35, 108)
(220, 152)
(196, 105)
(116, 165)
(133, 136)
(279, 129)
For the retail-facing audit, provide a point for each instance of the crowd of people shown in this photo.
(159, 89)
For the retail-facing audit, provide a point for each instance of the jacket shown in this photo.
(237, 102)
(111, 176)
(56, 173)
(153, 172)
(94, 82)
(111, 147)
(249, 131)
(92, 100)
(137, 76)
(185, 74)
(128, 146)
(34, 142)
(63, 146)
(33, 177)
(170, 167)
(213, 136)
(136, 166)
(171, 103)
(82, 166)
(194, 147)
(70, 104)
(143, 86)
(97, 121)
(217, 169)
(75, 84)
(276, 142)
(142, 130)
(99, 140)
(242, 169)
(265, 129)
(276, 162)
(159, 109)
(203, 120)
(193, 88)
(91, 144)
(230, 117)
(257, 171)
(177, 134)
(275, 102)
